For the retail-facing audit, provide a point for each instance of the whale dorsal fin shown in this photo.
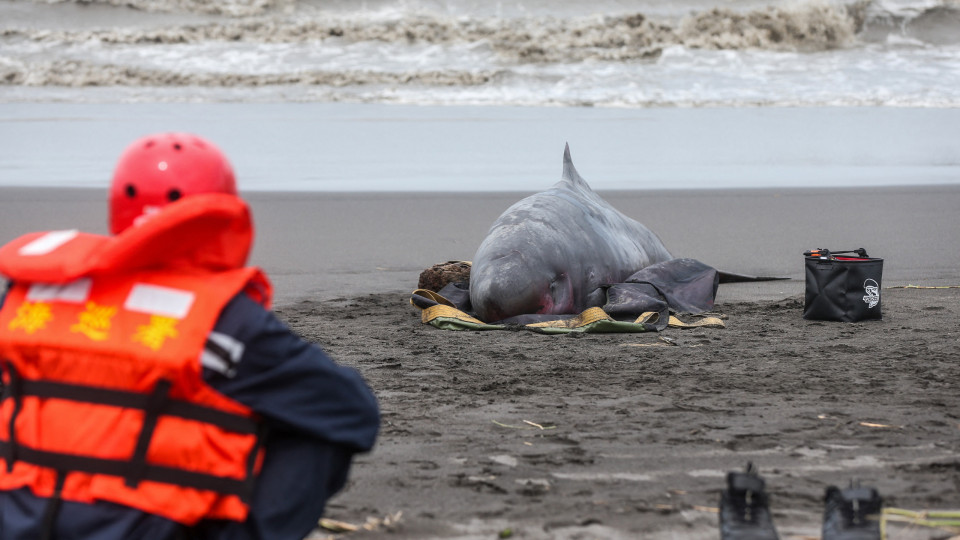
(570, 173)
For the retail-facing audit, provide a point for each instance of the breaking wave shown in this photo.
(233, 8)
(868, 51)
(548, 39)
(74, 73)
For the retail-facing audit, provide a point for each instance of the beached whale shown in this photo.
(555, 251)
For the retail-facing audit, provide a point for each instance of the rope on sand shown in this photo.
(947, 521)
(925, 287)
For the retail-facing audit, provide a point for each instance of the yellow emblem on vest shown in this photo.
(153, 335)
(95, 321)
(31, 316)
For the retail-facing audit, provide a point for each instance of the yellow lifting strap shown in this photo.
(445, 316)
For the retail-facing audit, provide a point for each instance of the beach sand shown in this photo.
(620, 436)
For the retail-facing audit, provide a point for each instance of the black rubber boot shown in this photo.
(851, 514)
(745, 508)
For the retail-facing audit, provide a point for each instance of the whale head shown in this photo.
(516, 277)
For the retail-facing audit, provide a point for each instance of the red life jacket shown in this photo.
(100, 344)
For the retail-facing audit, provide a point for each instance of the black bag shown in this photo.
(842, 288)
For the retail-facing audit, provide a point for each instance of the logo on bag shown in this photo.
(872, 298)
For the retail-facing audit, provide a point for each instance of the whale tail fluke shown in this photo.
(730, 277)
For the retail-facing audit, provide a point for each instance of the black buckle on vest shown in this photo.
(14, 391)
(155, 405)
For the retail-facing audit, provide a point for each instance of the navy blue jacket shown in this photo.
(318, 414)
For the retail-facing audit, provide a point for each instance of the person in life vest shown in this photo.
(148, 391)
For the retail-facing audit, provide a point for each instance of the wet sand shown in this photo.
(620, 436)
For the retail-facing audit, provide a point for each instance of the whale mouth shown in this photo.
(493, 314)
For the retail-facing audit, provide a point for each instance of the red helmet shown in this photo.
(159, 169)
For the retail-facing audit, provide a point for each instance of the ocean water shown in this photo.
(385, 147)
(610, 53)
(480, 95)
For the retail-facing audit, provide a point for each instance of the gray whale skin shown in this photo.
(553, 251)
